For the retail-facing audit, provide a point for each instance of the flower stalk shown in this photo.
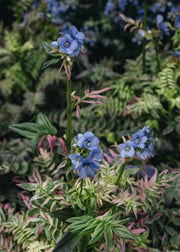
(69, 115)
(144, 39)
(157, 56)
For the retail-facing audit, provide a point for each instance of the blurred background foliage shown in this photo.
(111, 57)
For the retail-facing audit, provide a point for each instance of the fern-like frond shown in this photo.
(147, 104)
(23, 234)
(38, 246)
(166, 82)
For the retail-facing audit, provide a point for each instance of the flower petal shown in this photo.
(54, 44)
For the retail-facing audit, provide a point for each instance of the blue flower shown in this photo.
(122, 4)
(96, 155)
(161, 24)
(147, 150)
(87, 168)
(109, 7)
(69, 45)
(71, 42)
(146, 132)
(127, 149)
(75, 34)
(87, 140)
(139, 139)
(155, 7)
(173, 10)
(56, 9)
(76, 159)
(143, 154)
(176, 54)
(177, 22)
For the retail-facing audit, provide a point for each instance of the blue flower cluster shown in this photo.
(176, 53)
(56, 9)
(161, 24)
(140, 145)
(89, 165)
(177, 22)
(71, 42)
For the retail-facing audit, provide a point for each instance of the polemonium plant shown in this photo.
(93, 200)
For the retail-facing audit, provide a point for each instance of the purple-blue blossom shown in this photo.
(76, 159)
(96, 155)
(122, 4)
(146, 132)
(177, 22)
(56, 9)
(146, 152)
(127, 149)
(140, 146)
(176, 54)
(87, 140)
(109, 7)
(71, 42)
(139, 139)
(87, 168)
(76, 35)
(162, 25)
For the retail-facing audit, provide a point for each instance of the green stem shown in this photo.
(84, 243)
(157, 56)
(144, 40)
(69, 115)
(121, 170)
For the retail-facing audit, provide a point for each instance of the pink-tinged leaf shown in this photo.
(93, 102)
(143, 197)
(100, 91)
(2, 240)
(61, 141)
(133, 28)
(54, 51)
(97, 96)
(78, 111)
(37, 176)
(66, 70)
(130, 20)
(131, 225)
(70, 70)
(123, 17)
(51, 141)
(17, 180)
(86, 92)
(122, 245)
(113, 154)
(39, 230)
(61, 66)
(102, 247)
(164, 172)
(126, 26)
(7, 206)
(24, 198)
(138, 230)
(153, 179)
(39, 144)
(140, 249)
(109, 159)
(146, 181)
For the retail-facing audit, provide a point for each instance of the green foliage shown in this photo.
(84, 225)
(67, 243)
(35, 131)
(52, 208)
